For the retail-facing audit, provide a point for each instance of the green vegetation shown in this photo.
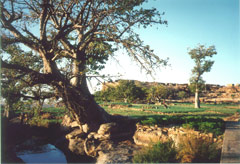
(215, 126)
(179, 109)
(159, 152)
(208, 119)
(199, 123)
(131, 91)
(202, 65)
(47, 117)
(159, 92)
(127, 91)
(190, 149)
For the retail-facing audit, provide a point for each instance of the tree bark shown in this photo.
(197, 102)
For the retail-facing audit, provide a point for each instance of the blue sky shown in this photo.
(190, 22)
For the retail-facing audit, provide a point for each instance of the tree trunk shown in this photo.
(76, 96)
(6, 113)
(197, 102)
(83, 107)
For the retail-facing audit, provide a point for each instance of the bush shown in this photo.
(217, 128)
(38, 121)
(193, 149)
(199, 123)
(160, 152)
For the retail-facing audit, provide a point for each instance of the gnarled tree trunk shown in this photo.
(83, 107)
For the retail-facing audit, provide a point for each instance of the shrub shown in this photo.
(193, 149)
(217, 128)
(38, 121)
(159, 152)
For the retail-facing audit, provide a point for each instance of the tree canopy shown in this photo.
(87, 31)
(200, 56)
(75, 38)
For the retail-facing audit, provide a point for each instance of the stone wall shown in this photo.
(146, 135)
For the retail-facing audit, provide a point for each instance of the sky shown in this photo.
(190, 22)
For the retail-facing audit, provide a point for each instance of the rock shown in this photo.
(210, 135)
(76, 146)
(76, 133)
(85, 128)
(144, 138)
(119, 153)
(68, 123)
(76, 141)
(74, 124)
(107, 128)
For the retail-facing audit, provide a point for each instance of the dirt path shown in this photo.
(231, 143)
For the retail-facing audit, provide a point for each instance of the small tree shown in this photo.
(182, 94)
(159, 92)
(128, 91)
(199, 55)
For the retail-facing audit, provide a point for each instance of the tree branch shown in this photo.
(36, 77)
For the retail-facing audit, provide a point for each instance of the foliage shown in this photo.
(200, 85)
(126, 91)
(202, 65)
(86, 37)
(157, 153)
(217, 128)
(75, 39)
(193, 149)
(38, 121)
(15, 86)
(199, 123)
(199, 55)
(47, 117)
(182, 94)
(106, 95)
(159, 92)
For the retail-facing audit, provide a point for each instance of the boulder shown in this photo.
(107, 128)
(76, 141)
(121, 152)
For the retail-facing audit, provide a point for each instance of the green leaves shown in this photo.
(126, 90)
(200, 56)
(156, 93)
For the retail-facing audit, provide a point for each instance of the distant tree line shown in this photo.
(130, 92)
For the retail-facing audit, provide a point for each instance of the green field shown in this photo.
(135, 110)
(208, 119)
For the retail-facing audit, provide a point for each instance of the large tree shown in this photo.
(200, 56)
(74, 38)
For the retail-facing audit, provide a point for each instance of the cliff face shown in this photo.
(223, 93)
(212, 92)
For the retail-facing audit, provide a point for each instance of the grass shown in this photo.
(207, 119)
(221, 110)
(180, 113)
(157, 153)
